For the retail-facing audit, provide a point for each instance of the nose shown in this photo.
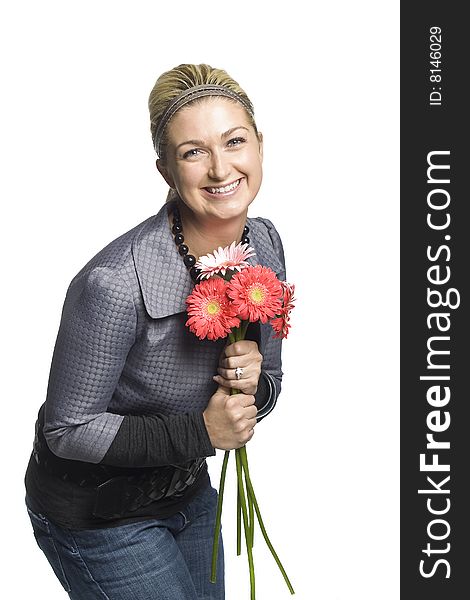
(219, 168)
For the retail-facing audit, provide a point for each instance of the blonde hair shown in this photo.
(172, 83)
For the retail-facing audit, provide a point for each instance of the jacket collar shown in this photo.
(164, 280)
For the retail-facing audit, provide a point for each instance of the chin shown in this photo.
(231, 212)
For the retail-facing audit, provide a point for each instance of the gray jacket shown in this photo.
(123, 347)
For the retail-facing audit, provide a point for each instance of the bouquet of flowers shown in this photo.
(231, 294)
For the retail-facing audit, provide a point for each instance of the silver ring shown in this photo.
(239, 372)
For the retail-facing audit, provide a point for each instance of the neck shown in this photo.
(204, 236)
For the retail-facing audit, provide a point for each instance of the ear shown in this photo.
(164, 172)
(260, 141)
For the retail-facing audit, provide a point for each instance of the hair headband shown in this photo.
(197, 91)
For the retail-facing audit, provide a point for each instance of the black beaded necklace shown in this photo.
(188, 259)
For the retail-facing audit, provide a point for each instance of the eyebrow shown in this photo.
(223, 135)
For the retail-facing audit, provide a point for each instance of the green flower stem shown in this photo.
(249, 502)
(243, 328)
(246, 524)
(239, 524)
(250, 509)
(218, 517)
(244, 461)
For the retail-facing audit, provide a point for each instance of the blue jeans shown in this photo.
(164, 559)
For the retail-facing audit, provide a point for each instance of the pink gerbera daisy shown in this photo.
(255, 293)
(281, 326)
(231, 257)
(210, 313)
(288, 290)
(281, 323)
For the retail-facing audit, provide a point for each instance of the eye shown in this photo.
(237, 141)
(192, 153)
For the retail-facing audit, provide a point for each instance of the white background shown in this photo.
(78, 170)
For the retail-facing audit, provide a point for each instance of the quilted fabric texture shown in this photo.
(123, 348)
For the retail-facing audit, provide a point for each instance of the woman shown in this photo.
(117, 485)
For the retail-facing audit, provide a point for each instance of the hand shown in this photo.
(230, 420)
(245, 355)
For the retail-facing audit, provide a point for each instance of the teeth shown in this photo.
(225, 189)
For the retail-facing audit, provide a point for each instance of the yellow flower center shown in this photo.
(257, 294)
(213, 307)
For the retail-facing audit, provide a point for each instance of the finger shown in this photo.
(232, 362)
(243, 399)
(247, 399)
(229, 383)
(251, 424)
(230, 374)
(250, 413)
(247, 437)
(246, 386)
(240, 348)
(224, 389)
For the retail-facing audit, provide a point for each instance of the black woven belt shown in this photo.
(118, 490)
(120, 495)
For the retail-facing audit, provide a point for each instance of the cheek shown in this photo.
(245, 162)
(189, 177)
(255, 165)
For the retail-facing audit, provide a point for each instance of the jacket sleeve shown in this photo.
(96, 332)
(270, 347)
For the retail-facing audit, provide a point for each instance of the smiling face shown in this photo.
(213, 159)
